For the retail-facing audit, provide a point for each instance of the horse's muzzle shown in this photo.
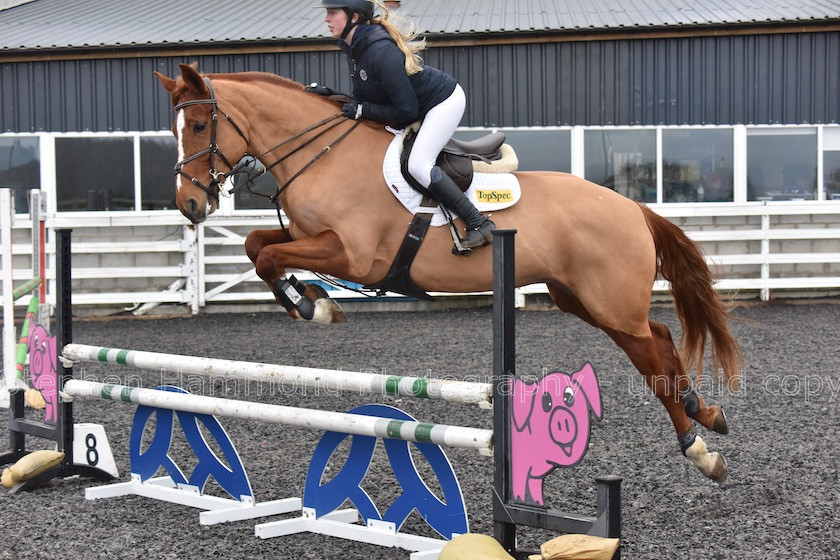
(195, 211)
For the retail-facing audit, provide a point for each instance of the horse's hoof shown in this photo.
(712, 465)
(718, 471)
(720, 425)
(328, 311)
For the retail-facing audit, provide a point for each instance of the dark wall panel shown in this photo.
(760, 79)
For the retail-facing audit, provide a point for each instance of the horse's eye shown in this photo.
(199, 127)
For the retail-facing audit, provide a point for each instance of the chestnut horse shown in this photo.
(597, 251)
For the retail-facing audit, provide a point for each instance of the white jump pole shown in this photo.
(7, 211)
(324, 420)
(311, 378)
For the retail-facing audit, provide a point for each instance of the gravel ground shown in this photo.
(780, 501)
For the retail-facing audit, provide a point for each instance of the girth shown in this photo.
(398, 279)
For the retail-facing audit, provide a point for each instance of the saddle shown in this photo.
(458, 157)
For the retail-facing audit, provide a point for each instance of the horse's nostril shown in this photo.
(193, 207)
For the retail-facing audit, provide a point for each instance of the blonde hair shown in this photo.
(405, 39)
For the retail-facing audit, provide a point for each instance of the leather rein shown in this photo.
(217, 177)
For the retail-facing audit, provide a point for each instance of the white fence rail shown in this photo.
(142, 259)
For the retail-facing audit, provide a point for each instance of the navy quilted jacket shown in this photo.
(388, 95)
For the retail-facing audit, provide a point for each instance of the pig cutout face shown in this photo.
(43, 370)
(550, 427)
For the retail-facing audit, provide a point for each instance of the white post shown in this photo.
(195, 282)
(7, 213)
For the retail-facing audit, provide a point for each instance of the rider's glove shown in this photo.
(321, 90)
(352, 110)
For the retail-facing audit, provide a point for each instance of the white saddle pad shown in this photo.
(489, 191)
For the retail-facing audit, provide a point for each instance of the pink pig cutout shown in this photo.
(43, 370)
(550, 427)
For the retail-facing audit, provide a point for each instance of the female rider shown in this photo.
(392, 86)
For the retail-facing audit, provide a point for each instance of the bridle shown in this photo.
(212, 188)
(217, 177)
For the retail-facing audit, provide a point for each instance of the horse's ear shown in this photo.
(192, 78)
(166, 82)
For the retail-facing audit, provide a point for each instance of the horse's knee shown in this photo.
(266, 266)
(254, 243)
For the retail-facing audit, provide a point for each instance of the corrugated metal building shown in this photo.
(723, 115)
(87, 66)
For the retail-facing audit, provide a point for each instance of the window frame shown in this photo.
(577, 158)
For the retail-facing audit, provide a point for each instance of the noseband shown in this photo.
(212, 188)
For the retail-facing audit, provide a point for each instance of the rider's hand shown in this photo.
(352, 110)
(320, 90)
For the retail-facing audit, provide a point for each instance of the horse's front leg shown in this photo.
(272, 252)
(259, 239)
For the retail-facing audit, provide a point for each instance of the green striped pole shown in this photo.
(26, 288)
(292, 376)
(355, 424)
(23, 345)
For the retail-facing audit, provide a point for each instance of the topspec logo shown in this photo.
(495, 196)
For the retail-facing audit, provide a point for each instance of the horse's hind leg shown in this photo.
(656, 367)
(657, 362)
(710, 417)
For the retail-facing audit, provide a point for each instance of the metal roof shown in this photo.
(62, 24)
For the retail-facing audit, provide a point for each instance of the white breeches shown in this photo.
(438, 127)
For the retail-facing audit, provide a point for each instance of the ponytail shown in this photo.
(405, 40)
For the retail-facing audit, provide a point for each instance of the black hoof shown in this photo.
(721, 426)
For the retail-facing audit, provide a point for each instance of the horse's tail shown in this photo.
(699, 307)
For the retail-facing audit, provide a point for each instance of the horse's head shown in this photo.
(208, 147)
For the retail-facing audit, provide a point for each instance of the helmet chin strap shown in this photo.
(349, 26)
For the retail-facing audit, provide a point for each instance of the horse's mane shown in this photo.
(245, 77)
(260, 77)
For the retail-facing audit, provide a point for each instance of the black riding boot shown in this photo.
(479, 228)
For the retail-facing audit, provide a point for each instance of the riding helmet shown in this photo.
(363, 7)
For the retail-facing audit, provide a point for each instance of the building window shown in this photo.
(20, 168)
(697, 165)
(94, 173)
(831, 163)
(622, 160)
(537, 150)
(542, 150)
(782, 164)
(157, 175)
